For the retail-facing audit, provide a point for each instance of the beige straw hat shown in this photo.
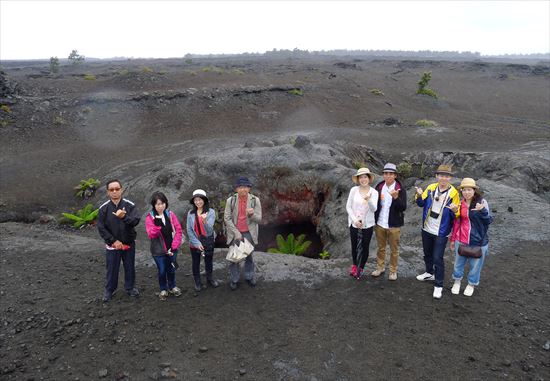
(362, 171)
(468, 182)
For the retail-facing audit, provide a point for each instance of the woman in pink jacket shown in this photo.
(164, 230)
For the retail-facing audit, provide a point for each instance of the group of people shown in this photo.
(381, 209)
(118, 218)
(377, 210)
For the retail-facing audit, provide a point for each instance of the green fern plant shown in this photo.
(86, 188)
(293, 246)
(324, 254)
(84, 216)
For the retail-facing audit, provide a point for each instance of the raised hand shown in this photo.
(453, 207)
(395, 193)
(479, 206)
(121, 213)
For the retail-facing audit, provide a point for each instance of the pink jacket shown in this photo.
(154, 231)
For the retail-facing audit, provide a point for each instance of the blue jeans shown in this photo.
(434, 248)
(475, 264)
(166, 272)
(112, 264)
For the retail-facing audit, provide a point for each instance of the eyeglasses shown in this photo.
(114, 189)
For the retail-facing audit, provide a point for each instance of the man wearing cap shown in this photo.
(243, 213)
(440, 202)
(389, 217)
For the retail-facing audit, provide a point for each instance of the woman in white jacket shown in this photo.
(361, 205)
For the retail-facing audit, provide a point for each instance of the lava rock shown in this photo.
(391, 121)
(301, 141)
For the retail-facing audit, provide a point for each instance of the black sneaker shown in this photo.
(233, 285)
(213, 282)
(107, 295)
(134, 292)
(251, 282)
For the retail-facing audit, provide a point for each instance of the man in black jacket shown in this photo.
(116, 221)
(389, 216)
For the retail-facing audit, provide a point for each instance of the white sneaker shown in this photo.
(456, 288)
(176, 291)
(425, 276)
(469, 290)
(163, 295)
(437, 292)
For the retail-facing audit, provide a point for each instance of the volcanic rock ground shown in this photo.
(176, 125)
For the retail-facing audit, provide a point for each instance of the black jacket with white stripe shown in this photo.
(111, 228)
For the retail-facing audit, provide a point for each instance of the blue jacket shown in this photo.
(448, 217)
(208, 226)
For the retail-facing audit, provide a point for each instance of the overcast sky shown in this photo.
(102, 29)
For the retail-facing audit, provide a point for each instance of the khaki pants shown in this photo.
(382, 237)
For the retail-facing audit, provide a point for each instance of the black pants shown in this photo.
(366, 235)
(196, 257)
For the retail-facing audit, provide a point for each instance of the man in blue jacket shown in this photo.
(116, 224)
(440, 203)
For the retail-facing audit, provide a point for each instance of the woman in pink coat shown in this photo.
(164, 230)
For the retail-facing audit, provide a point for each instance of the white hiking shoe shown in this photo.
(425, 277)
(456, 288)
(469, 290)
(176, 291)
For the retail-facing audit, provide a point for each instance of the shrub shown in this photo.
(425, 123)
(58, 120)
(84, 216)
(237, 71)
(86, 188)
(123, 72)
(54, 65)
(404, 169)
(423, 83)
(214, 69)
(5, 108)
(324, 254)
(377, 92)
(291, 245)
(75, 58)
(298, 92)
(89, 77)
(146, 69)
(359, 164)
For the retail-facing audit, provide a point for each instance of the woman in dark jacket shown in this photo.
(470, 229)
(162, 224)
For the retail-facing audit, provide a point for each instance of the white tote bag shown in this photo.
(237, 254)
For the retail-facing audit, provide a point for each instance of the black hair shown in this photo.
(112, 181)
(156, 197)
(205, 208)
(477, 199)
